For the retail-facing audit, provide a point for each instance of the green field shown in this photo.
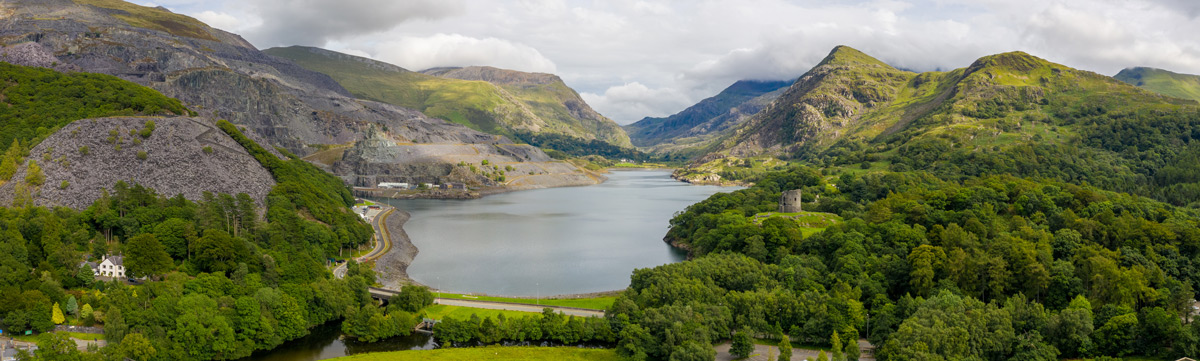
(85, 336)
(438, 312)
(810, 222)
(491, 353)
(596, 303)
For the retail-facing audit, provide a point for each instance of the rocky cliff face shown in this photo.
(217, 74)
(187, 156)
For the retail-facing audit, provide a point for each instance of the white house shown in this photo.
(112, 266)
(390, 185)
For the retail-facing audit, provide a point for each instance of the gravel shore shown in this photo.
(392, 267)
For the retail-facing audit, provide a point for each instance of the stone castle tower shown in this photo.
(790, 201)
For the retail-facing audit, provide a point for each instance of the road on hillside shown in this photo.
(515, 307)
(383, 242)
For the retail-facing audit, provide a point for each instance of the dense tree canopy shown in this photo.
(991, 268)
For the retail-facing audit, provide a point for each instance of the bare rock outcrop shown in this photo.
(187, 156)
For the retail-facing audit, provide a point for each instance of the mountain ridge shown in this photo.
(706, 118)
(489, 99)
(1179, 85)
(1008, 113)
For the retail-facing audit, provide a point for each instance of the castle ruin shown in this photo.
(790, 202)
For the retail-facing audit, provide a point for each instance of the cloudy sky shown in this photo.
(637, 58)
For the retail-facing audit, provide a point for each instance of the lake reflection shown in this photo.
(549, 241)
(326, 342)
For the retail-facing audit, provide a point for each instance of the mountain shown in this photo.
(488, 99)
(692, 127)
(1010, 113)
(1183, 86)
(218, 75)
(841, 89)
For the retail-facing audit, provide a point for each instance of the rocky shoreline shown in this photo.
(392, 267)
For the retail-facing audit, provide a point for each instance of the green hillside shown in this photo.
(1010, 113)
(983, 213)
(505, 109)
(1183, 86)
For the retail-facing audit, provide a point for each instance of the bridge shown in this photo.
(384, 294)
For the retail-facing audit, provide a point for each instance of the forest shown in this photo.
(225, 277)
(987, 268)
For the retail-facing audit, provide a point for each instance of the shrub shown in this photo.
(142, 155)
(83, 150)
(208, 150)
(33, 174)
(64, 185)
(147, 129)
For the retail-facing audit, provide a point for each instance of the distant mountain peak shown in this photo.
(1183, 86)
(845, 55)
(1017, 61)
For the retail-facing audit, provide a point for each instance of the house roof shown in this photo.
(116, 260)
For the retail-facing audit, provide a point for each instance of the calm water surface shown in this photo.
(326, 342)
(549, 241)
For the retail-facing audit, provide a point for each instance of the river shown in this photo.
(549, 241)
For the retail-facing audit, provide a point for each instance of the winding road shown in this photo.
(383, 242)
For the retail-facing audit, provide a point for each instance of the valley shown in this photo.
(417, 180)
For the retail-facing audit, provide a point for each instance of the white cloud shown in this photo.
(1089, 36)
(419, 53)
(630, 102)
(314, 22)
(678, 52)
(223, 21)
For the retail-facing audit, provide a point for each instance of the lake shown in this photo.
(549, 241)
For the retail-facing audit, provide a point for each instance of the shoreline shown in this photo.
(392, 267)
